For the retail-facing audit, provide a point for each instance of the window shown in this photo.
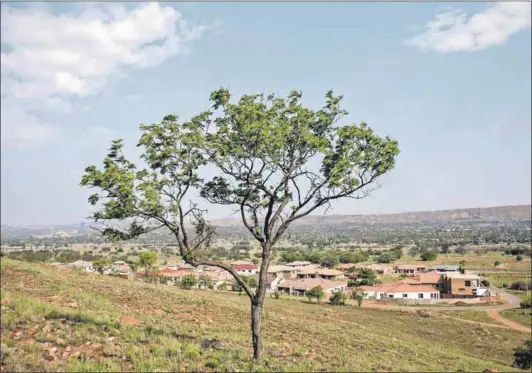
(468, 283)
(461, 289)
(405, 295)
(420, 295)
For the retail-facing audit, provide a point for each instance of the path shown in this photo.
(509, 323)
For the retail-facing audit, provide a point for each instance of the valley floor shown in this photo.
(56, 320)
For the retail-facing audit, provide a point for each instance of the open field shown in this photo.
(521, 316)
(60, 320)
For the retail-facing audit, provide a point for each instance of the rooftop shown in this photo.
(309, 283)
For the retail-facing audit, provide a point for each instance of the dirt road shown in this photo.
(509, 323)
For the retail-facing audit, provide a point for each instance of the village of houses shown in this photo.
(413, 283)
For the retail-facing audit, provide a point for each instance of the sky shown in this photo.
(451, 82)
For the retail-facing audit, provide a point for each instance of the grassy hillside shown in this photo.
(55, 320)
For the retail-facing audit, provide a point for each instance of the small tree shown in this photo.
(429, 255)
(205, 282)
(338, 298)
(102, 264)
(461, 250)
(261, 148)
(358, 295)
(523, 356)
(147, 260)
(462, 264)
(519, 258)
(315, 292)
(414, 251)
(188, 281)
(497, 263)
(367, 277)
(444, 248)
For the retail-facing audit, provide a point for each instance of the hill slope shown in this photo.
(55, 320)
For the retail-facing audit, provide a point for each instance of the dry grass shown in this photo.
(100, 323)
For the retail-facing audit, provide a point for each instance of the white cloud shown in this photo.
(453, 31)
(52, 59)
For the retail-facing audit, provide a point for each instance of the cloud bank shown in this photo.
(51, 59)
(453, 31)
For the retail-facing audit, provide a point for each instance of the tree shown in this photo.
(518, 258)
(462, 264)
(429, 255)
(497, 263)
(523, 356)
(315, 292)
(444, 248)
(261, 148)
(102, 264)
(461, 250)
(367, 277)
(188, 281)
(358, 295)
(414, 251)
(338, 298)
(147, 260)
(205, 282)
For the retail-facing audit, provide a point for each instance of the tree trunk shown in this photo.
(256, 323)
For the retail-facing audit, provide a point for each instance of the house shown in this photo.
(299, 264)
(410, 269)
(400, 290)
(272, 283)
(173, 276)
(238, 262)
(433, 279)
(380, 269)
(219, 278)
(300, 286)
(245, 269)
(445, 268)
(458, 285)
(123, 270)
(345, 266)
(282, 271)
(325, 273)
(83, 265)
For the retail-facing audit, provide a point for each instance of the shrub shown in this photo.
(518, 258)
(188, 281)
(191, 351)
(527, 303)
(212, 363)
(315, 292)
(523, 356)
(338, 298)
(429, 255)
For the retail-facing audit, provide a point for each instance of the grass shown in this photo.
(55, 320)
(521, 316)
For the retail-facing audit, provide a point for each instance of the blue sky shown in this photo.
(456, 93)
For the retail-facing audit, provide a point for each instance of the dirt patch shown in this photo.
(497, 316)
(129, 320)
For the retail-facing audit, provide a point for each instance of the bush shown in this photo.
(523, 356)
(527, 303)
(518, 258)
(212, 363)
(429, 255)
(519, 285)
(188, 281)
(338, 298)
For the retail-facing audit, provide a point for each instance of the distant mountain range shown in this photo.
(487, 214)
(502, 214)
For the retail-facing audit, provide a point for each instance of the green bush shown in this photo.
(527, 303)
(523, 356)
(212, 363)
(191, 351)
(338, 298)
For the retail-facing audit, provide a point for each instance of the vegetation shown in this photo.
(188, 281)
(523, 356)
(358, 295)
(148, 260)
(117, 325)
(429, 255)
(338, 298)
(315, 292)
(367, 277)
(261, 146)
(102, 264)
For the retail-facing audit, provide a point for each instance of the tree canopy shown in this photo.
(261, 147)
